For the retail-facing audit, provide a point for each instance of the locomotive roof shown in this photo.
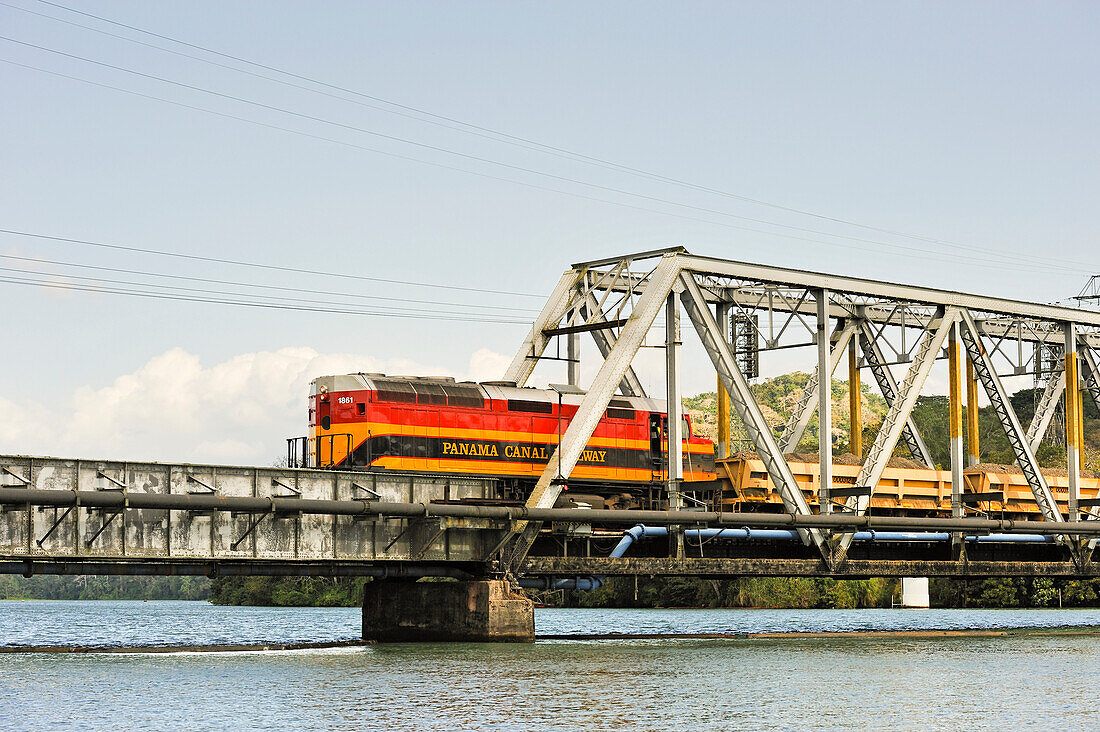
(488, 389)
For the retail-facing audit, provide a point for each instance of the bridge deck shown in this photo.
(63, 516)
(87, 532)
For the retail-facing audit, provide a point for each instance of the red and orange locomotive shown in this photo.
(435, 425)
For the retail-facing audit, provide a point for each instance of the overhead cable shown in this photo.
(114, 290)
(373, 309)
(259, 265)
(481, 131)
(40, 260)
(518, 168)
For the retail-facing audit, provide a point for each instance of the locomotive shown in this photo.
(495, 428)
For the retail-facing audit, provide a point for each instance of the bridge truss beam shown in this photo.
(1044, 411)
(1017, 438)
(898, 416)
(595, 401)
(721, 355)
(782, 308)
(888, 387)
(810, 399)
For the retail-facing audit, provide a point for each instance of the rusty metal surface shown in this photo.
(115, 509)
(414, 516)
(29, 566)
(901, 490)
(756, 567)
(99, 517)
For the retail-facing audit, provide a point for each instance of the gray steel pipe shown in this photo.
(244, 504)
(556, 583)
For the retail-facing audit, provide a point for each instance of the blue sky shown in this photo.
(972, 124)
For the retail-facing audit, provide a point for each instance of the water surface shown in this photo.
(1015, 681)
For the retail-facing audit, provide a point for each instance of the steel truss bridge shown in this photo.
(96, 517)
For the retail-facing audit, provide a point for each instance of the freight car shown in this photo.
(440, 426)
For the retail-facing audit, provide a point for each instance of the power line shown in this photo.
(145, 273)
(399, 156)
(114, 290)
(1025, 260)
(432, 148)
(913, 252)
(259, 265)
(375, 309)
(497, 135)
(439, 121)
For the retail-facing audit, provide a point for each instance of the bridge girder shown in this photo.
(1002, 336)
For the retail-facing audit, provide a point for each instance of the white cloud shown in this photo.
(486, 365)
(173, 408)
(239, 411)
(19, 421)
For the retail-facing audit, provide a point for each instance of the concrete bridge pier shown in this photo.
(474, 611)
(914, 592)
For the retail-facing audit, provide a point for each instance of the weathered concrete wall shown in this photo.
(84, 532)
(481, 611)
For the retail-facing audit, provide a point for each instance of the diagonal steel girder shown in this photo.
(605, 341)
(759, 431)
(562, 299)
(893, 424)
(1090, 378)
(593, 405)
(998, 397)
(1044, 412)
(804, 410)
(1091, 373)
(872, 353)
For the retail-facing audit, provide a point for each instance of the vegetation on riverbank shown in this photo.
(51, 587)
(776, 592)
(769, 592)
(287, 591)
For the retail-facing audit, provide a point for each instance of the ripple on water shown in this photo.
(832, 683)
(128, 623)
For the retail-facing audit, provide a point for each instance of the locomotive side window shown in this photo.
(463, 396)
(394, 391)
(523, 405)
(620, 409)
(430, 394)
(362, 408)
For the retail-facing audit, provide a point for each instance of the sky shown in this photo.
(439, 164)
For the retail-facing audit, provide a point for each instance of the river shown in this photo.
(1035, 681)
